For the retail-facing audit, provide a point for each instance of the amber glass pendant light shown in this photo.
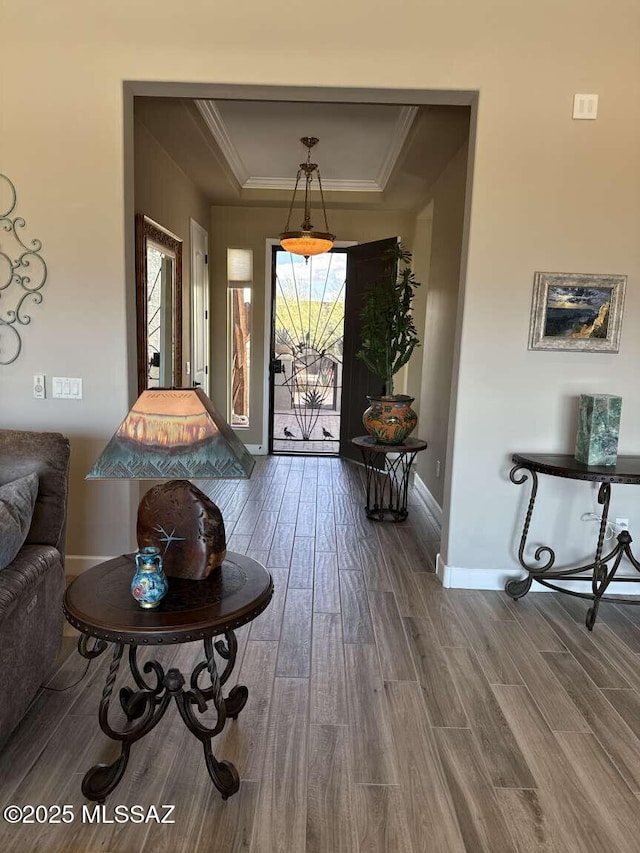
(307, 241)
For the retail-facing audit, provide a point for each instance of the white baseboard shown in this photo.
(76, 564)
(456, 577)
(432, 504)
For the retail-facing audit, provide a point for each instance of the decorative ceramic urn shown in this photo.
(149, 584)
(390, 419)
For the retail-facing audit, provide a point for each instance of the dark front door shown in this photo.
(365, 264)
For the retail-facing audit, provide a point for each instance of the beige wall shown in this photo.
(250, 228)
(549, 193)
(447, 212)
(409, 379)
(164, 193)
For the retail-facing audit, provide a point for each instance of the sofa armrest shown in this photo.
(23, 574)
(46, 453)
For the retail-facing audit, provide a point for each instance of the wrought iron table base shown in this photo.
(387, 489)
(146, 705)
(599, 573)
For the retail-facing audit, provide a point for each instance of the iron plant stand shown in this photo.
(98, 603)
(388, 478)
(601, 571)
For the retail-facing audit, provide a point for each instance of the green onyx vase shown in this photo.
(598, 429)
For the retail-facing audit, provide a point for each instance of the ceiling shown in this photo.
(370, 156)
(357, 150)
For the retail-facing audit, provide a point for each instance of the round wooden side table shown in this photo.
(99, 604)
(387, 468)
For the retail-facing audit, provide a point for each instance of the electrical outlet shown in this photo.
(622, 523)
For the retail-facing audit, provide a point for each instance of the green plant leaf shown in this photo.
(389, 336)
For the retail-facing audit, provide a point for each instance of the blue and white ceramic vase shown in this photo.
(149, 585)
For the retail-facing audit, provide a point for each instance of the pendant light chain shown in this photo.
(306, 225)
(293, 198)
(324, 209)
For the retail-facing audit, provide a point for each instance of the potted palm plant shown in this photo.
(388, 338)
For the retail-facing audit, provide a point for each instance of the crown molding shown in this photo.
(214, 121)
(398, 138)
(327, 186)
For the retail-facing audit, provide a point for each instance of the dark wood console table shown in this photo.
(387, 479)
(99, 604)
(603, 568)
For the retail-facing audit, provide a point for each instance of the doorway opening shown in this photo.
(423, 155)
(307, 352)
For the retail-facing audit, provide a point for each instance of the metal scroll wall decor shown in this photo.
(23, 273)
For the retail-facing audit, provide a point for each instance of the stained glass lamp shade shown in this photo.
(173, 433)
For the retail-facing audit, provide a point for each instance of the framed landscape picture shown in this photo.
(576, 311)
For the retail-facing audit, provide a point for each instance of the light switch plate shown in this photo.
(585, 106)
(66, 388)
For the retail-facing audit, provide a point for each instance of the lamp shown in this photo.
(177, 433)
(307, 241)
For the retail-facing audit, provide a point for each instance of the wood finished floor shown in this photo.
(385, 714)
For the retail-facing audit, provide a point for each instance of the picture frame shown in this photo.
(579, 312)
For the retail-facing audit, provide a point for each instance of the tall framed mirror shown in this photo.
(158, 305)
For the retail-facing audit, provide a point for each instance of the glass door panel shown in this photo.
(308, 333)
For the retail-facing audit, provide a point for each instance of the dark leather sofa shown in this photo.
(32, 586)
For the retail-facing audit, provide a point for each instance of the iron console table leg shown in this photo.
(146, 705)
(600, 572)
